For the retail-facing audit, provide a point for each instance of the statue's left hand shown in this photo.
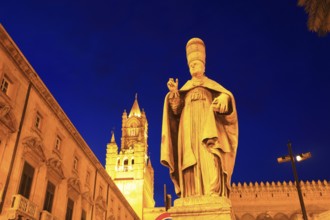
(221, 103)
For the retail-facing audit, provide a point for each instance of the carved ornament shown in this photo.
(100, 203)
(87, 200)
(34, 149)
(74, 187)
(7, 118)
(100, 206)
(55, 170)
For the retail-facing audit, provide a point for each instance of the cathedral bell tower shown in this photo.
(131, 168)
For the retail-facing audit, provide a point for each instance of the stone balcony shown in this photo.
(45, 215)
(22, 208)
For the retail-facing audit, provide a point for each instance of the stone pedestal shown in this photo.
(202, 207)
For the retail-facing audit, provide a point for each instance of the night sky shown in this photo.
(95, 55)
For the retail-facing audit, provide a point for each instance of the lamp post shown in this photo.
(299, 157)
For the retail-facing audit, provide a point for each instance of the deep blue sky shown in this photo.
(95, 55)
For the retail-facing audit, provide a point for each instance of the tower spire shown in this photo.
(135, 111)
(113, 137)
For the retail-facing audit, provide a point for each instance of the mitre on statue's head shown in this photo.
(195, 50)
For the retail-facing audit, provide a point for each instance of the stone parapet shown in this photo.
(276, 199)
(311, 190)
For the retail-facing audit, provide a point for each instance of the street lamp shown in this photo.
(305, 156)
(299, 157)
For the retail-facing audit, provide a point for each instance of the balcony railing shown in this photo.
(45, 215)
(21, 206)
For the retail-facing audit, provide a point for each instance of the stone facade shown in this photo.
(47, 171)
(279, 201)
(131, 168)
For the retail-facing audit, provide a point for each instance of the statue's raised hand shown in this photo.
(173, 85)
(221, 103)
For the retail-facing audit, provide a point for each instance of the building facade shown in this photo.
(130, 168)
(47, 171)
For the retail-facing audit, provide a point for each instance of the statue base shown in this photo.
(202, 207)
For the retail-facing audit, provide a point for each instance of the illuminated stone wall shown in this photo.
(279, 201)
(43, 157)
(273, 201)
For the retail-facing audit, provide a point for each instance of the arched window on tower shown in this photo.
(132, 163)
(132, 131)
(125, 164)
(118, 164)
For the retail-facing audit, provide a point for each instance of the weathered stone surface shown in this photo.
(202, 207)
(199, 131)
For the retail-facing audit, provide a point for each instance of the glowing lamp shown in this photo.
(304, 156)
(283, 159)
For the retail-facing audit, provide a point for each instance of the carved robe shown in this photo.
(188, 121)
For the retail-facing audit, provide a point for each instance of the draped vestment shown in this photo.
(195, 168)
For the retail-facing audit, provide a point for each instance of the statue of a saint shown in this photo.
(199, 131)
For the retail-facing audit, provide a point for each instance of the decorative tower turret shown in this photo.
(111, 156)
(131, 168)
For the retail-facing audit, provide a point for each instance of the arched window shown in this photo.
(281, 216)
(125, 164)
(118, 164)
(247, 216)
(264, 216)
(133, 129)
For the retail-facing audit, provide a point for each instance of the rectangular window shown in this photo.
(83, 215)
(126, 164)
(26, 180)
(50, 191)
(37, 122)
(75, 163)
(4, 85)
(69, 210)
(88, 176)
(100, 191)
(58, 143)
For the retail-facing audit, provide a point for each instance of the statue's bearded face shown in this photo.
(196, 68)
